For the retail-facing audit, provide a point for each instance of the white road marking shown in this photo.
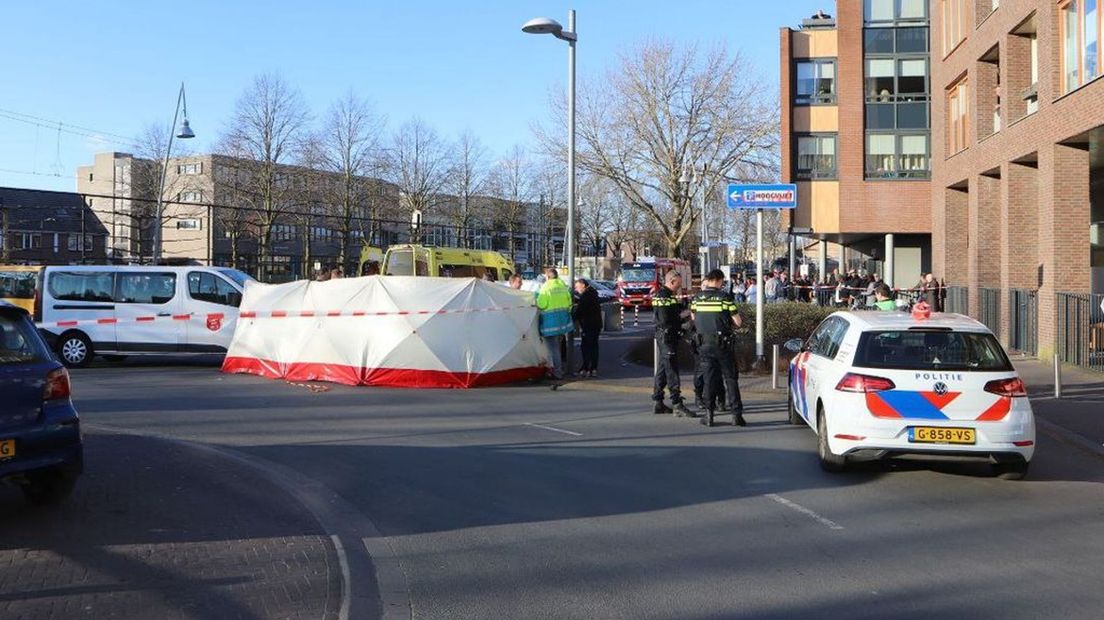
(554, 429)
(826, 522)
(346, 578)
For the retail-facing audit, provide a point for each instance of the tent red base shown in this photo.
(380, 377)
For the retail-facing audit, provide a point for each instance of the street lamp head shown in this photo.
(684, 179)
(185, 131)
(542, 25)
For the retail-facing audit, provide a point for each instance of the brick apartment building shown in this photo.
(41, 227)
(855, 98)
(1018, 174)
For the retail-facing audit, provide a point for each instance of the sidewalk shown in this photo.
(1078, 418)
(616, 374)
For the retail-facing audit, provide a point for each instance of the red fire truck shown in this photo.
(640, 280)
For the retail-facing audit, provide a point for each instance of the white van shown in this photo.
(119, 310)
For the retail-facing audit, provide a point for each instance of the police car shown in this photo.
(882, 384)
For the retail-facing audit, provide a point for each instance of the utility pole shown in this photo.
(5, 253)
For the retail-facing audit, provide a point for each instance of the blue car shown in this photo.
(40, 436)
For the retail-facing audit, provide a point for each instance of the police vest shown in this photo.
(713, 311)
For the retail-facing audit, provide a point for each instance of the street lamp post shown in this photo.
(545, 25)
(184, 134)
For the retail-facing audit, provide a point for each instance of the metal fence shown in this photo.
(989, 309)
(1023, 321)
(957, 300)
(1081, 329)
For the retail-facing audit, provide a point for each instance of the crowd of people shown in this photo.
(852, 289)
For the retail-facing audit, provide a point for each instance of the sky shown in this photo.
(105, 70)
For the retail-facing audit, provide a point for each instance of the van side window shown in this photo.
(208, 287)
(145, 288)
(81, 286)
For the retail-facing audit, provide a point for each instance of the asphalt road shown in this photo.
(523, 502)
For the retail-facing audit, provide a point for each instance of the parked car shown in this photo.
(881, 384)
(40, 437)
(607, 291)
(121, 310)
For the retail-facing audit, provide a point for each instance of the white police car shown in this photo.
(880, 384)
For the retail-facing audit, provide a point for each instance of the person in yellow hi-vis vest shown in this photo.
(554, 304)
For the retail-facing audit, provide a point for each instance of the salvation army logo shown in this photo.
(214, 322)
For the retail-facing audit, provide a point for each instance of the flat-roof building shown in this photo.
(855, 98)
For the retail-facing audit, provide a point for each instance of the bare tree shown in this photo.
(466, 182)
(265, 133)
(665, 112)
(597, 198)
(513, 186)
(551, 215)
(418, 166)
(348, 146)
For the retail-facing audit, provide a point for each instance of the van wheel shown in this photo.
(48, 488)
(75, 349)
(829, 461)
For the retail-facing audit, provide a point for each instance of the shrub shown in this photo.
(785, 320)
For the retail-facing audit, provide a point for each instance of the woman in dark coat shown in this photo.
(588, 314)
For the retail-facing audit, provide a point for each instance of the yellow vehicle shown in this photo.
(19, 285)
(421, 260)
(371, 261)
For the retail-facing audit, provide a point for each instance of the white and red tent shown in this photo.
(388, 331)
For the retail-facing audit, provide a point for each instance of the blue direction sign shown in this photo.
(777, 196)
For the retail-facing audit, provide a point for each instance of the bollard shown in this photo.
(1057, 377)
(622, 317)
(774, 367)
(636, 316)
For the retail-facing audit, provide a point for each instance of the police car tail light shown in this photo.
(57, 385)
(1007, 387)
(854, 382)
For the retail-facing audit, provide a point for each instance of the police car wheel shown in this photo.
(1011, 471)
(794, 416)
(828, 460)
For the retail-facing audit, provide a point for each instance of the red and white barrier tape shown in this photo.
(216, 316)
(303, 314)
(275, 314)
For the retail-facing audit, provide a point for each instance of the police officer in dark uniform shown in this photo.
(669, 314)
(715, 318)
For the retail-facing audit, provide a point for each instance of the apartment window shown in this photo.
(954, 24)
(194, 168)
(320, 233)
(191, 223)
(892, 11)
(897, 156)
(816, 82)
(190, 196)
(1033, 99)
(1079, 31)
(816, 157)
(958, 117)
(28, 241)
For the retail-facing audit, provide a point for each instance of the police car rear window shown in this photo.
(931, 350)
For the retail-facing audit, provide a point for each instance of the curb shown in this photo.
(373, 581)
(610, 386)
(1069, 437)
